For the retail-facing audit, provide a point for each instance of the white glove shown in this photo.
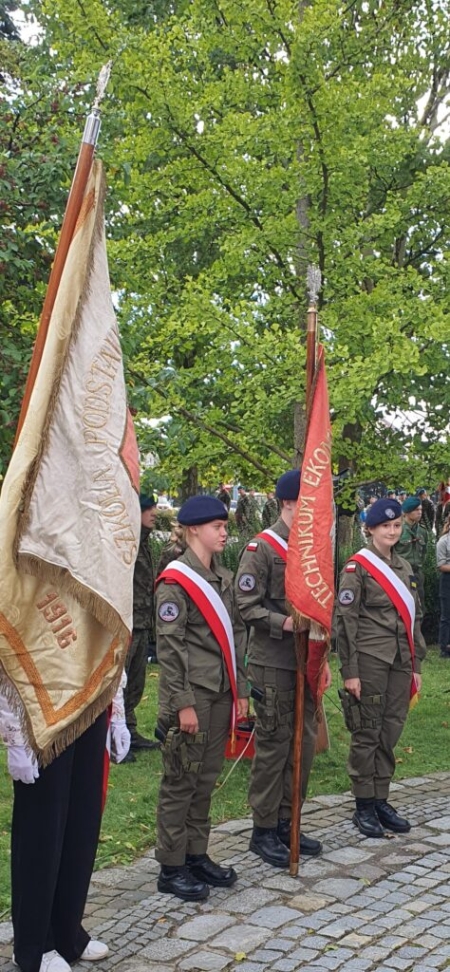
(120, 741)
(22, 764)
(120, 736)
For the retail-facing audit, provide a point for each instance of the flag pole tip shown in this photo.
(314, 282)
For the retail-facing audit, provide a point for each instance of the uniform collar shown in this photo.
(212, 575)
(281, 528)
(393, 562)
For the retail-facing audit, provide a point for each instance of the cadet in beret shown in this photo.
(260, 590)
(195, 698)
(138, 652)
(377, 667)
(413, 541)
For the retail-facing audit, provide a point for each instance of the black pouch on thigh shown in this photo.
(267, 710)
(179, 755)
(371, 711)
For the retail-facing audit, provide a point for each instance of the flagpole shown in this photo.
(302, 637)
(73, 207)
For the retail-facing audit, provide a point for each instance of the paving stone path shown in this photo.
(363, 905)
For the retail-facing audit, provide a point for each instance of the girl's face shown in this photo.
(212, 536)
(387, 533)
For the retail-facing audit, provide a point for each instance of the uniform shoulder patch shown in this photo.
(168, 611)
(253, 545)
(350, 568)
(346, 596)
(247, 582)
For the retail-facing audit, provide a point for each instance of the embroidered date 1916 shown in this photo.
(55, 612)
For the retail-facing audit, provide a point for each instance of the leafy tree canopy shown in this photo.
(242, 141)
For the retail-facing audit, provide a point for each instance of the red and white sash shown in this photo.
(397, 592)
(279, 545)
(214, 612)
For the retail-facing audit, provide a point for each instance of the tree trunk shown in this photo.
(189, 483)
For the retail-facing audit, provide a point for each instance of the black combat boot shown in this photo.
(266, 843)
(141, 742)
(205, 870)
(308, 846)
(390, 819)
(180, 882)
(366, 819)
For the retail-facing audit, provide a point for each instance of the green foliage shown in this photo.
(240, 143)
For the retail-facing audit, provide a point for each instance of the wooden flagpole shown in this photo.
(301, 637)
(75, 199)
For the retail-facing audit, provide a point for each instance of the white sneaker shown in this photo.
(51, 962)
(93, 952)
(54, 962)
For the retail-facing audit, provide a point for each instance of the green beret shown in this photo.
(411, 503)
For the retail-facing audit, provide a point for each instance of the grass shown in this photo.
(129, 821)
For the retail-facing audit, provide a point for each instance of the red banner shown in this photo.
(309, 570)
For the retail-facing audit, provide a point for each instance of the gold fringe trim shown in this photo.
(17, 707)
(104, 613)
(68, 735)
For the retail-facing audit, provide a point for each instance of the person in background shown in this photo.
(253, 515)
(143, 607)
(271, 511)
(224, 496)
(374, 612)
(242, 511)
(443, 565)
(428, 511)
(412, 544)
(199, 633)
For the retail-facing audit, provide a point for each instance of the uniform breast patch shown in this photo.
(168, 611)
(346, 596)
(247, 582)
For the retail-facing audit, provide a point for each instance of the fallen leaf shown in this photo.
(240, 956)
(408, 749)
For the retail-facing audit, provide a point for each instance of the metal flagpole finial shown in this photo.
(102, 82)
(92, 127)
(314, 281)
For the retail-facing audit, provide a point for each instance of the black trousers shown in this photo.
(444, 624)
(55, 830)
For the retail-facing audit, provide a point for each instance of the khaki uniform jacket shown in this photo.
(413, 544)
(188, 653)
(367, 621)
(143, 581)
(260, 592)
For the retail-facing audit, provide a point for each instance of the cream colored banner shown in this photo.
(69, 511)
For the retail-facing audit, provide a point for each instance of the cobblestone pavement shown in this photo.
(363, 905)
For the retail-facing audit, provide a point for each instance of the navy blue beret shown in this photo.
(288, 485)
(382, 511)
(147, 502)
(201, 509)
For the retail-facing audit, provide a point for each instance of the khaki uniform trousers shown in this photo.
(136, 668)
(191, 767)
(270, 793)
(385, 694)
